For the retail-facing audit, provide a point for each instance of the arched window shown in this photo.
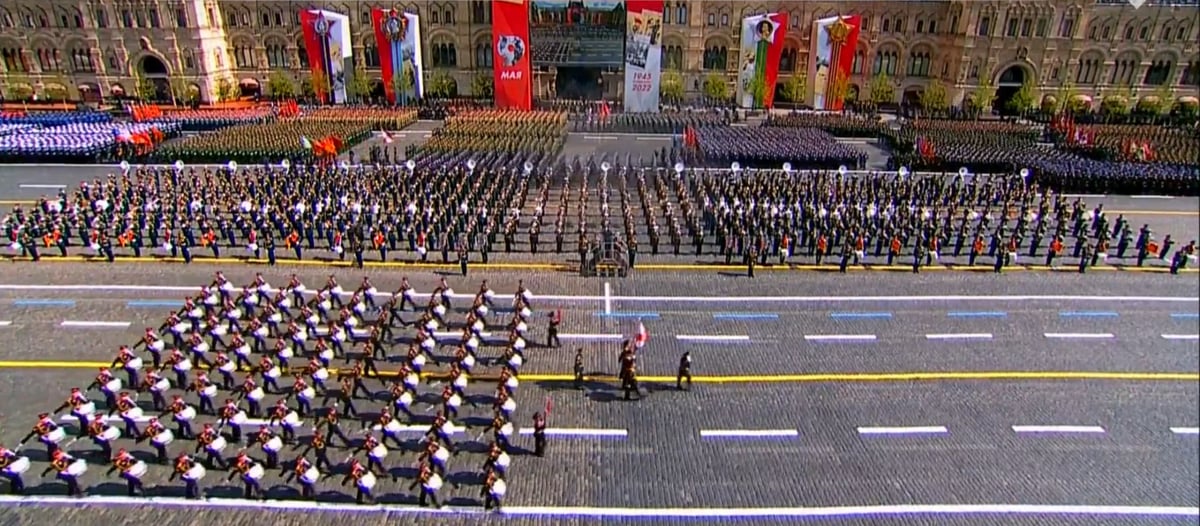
(1158, 73)
(243, 55)
(885, 63)
(81, 60)
(1191, 75)
(483, 55)
(444, 55)
(448, 15)
(681, 13)
(1089, 69)
(48, 59)
(673, 57)
(787, 60)
(481, 12)
(918, 64)
(1123, 70)
(716, 58)
(371, 55)
(277, 55)
(857, 67)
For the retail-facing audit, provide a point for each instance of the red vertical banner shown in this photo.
(313, 47)
(383, 42)
(845, 57)
(513, 82)
(774, 53)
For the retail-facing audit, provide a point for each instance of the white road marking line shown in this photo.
(73, 323)
(456, 334)
(599, 138)
(960, 336)
(712, 337)
(839, 337)
(1181, 336)
(607, 298)
(1058, 429)
(1085, 196)
(5, 323)
(1151, 197)
(44, 186)
(590, 512)
(1186, 430)
(728, 433)
(578, 432)
(569, 336)
(915, 430)
(1078, 335)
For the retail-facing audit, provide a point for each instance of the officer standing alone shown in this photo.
(685, 371)
(539, 435)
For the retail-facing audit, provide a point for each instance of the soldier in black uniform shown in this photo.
(685, 371)
(552, 330)
(579, 368)
(539, 435)
(462, 259)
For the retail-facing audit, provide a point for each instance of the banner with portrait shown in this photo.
(643, 55)
(328, 46)
(834, 40)
(398, 37)
(758, 63)
(512, 69)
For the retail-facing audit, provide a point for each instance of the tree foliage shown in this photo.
(281, 86)
(1115, 105)
(180, 89)
(716, 87)
(441, 84)
(227, 89)
(933, 98)
(671, 88)
(483, 86)
(794, 89)
(882, 89)
(1023, 101)
(144, 89)
(982, 96)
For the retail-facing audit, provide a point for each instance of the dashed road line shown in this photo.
(5, 323)
(1088, 314)
(153, 303)
(1181, 336)
(571, 336)
(578, 432)
(859, 315)
(644, 314)
(1186, 430)
(101, 324)
(44, 186)
(839, 337)
(1185, 315)
(43, 303)
(1058, 429)
(745, 316)
(712, 337)
(912, 430)
(748, 433)
(960, 336)
(1078, 335)
(977, 314)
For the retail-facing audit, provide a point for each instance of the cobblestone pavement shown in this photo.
(740, 445)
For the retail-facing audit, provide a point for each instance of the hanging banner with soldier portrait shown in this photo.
(643, 55)
(834, 41)
(328, 46)
(758, 63)
(398, 37)
(510, 54)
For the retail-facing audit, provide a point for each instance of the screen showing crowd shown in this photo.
(587, 33)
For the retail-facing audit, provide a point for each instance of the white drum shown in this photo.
(431, 325)
(273, 318)
(439, 310)
(109, 434)
(405, 400)
(321, 374)
(165, 438)
(311, 476)
(360, 308)
(134, 364)
(300, 336)
(55, 436)
(273, 372)
(227, 286)
(366, 482)
(250, 300)
(157, 346)
(473, 344)
(257, 394)
(460, 381)
(308, 393)
(234, 314)
(18, 466)
(489, 294)
(208, 391)
(412, 380)
(314, 319)
(522, 327)
(218, 445)
(180, 328)
(428, 344)
(77, 468)
(527, 295)
(86, 409)
(434, 483)
(338, 290)
(187, 414)
(196, 473)
(503, 460)
(161, 385)
(113, 386)
(138, 470)
(274, 445)
(286, 353)
(526, 313)
(478, 326)
(379, 452)
(239, 418)
(325, 305)
(211, 300)
(301, 288)
(339, 336)
(499, 488)
(326, 355)
(506, 429)
(441, 455)
(202, 347)
(509, 406)
(418, 361)
(516, 361)
(408, 293)
(468, 361)
(228, 367)
(512, 382)
(133, 413)
(448, 429)
(292, 419)
(481, 310)
(448, 293)
(351, 322)
(256, 472)
(186, 365)
(371, 292)
(262, 332)
(198, 312)
(393, 426)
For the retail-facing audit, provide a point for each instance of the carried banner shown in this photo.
(328, 45)
(512, 70)
(398, 37)
(643, 55)
(834, 41)
(762, 46)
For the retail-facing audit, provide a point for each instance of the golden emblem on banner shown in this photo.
(838, 31)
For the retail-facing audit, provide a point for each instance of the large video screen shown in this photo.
(575, 33)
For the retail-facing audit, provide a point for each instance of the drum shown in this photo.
(228, 367)
(55, 436)
(196, 473)
(326, 355)
(408, 293)
(418, 361)
(352, 322)
(360, 308)
(314, 320)
(512, 382)
(77, 468)
(165, 438)
(17, 467)
(392, 426)
(274, 445)
(481, 310)
(527, 295)
(217, 445)
(499, 488)
(181, 327)
(273, 372)
(134, 364)
(201, 347)
(256, 472)
(412, 380)
(366, 482)
(338, 290)
(138, 470)
(166, 246)
(478, 326)
(522, 327)
(292, 419)
(158, 346)
(250, 301)
(516, 360)
(371, 292)
(161, 385)
(133, 413)
(185, 365)
(439, 310)
(506, 429)
(187, 414)
(274, 318)
(431, 325)
(310, 476)
(113, 386)
(428, 344)
(262, 332)
(447, 429)
(234, 314)
(448, 293)
(109, 434)
(460, 381)
(209, 391)
(454, 401)
(321, 374)
(300, 288)
(503, 460)
(300, 337)
(286, 353)
(86, 409)
(239, 418)
(434, 483)
(509, 406)
(339, 335)
(325, 305)
(227, 286)
(211, 300)
(308, 393)
(379, 452)
(489, 294)
(441, 455)
(468, 361)
(196, 312)
(405, 400)
(525, 312)
(257, 394)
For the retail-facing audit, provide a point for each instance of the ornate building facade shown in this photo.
(95, 48)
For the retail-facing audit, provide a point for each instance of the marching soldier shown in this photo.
(539, 435)
(685, 371)
(304, 472)
(579, 368)
(67, 469)
(213, 444)
(191, 472)
(12, 467)
(130, 470)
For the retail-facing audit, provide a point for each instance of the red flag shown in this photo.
(549, 406)
(642, 336)
(387, 138)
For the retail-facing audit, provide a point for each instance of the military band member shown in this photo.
(318, 445)
(12, 467)
(67, 469)
(493, 491)
(131, 470)
(191, 472)
(331, 423)
(430, 482)
(213, 444)
(307, 475)
(364, 482)
(49, 433)
(250, 472)
(159, 436)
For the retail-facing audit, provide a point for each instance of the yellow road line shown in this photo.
(776, 378)
(1066, 267)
